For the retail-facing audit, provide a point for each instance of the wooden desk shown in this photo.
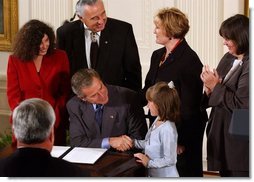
(111, 164)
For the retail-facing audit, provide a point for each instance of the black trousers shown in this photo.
(234, 174)
(190, 162)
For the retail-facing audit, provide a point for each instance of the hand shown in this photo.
(209, 78)
(207, 90)
(180, 149)
(142, 158)
(121, 143)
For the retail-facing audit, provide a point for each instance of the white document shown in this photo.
(84, 155)
(57, 151)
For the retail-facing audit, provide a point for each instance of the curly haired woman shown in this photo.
(37, 70)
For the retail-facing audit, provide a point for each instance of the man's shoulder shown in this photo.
(116, 22)
(45, 165)
(119, 89)
(69, 26)
(121, 94)
(73, 102)
(60, 167)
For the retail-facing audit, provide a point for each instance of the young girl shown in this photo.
(161, 139)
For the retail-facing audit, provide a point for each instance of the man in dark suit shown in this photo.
(33, 126)
(118, 59)
(122, 113)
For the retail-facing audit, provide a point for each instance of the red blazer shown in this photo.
(52, 83)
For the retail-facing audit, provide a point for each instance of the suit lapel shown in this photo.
(109, 117)
(46, 66)
(233, 73)
(157, 65)
(237, 71)
(104, 49)
(32, 69)
(79, 43)
(88, 117)
(105, 42)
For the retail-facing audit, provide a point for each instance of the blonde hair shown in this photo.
(174, 21)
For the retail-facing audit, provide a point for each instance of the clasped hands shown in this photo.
(210, 79)
(121, 143)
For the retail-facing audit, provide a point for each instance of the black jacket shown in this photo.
(36, 162)
(118, 62)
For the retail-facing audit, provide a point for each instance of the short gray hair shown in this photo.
(81, 79)
(33, 120)
(81, 3)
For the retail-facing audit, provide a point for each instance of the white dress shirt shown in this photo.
(88, 43)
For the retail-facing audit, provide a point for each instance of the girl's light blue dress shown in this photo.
(160, 145)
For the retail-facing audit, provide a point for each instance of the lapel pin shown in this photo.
(111, 117)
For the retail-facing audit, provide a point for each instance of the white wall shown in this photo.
(205, 17)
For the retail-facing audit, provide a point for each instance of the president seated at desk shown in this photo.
(101, 115)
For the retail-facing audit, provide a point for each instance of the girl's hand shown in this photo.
(180, 149)
(142, 158)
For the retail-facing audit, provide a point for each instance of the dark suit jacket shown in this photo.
(121, 115)
(35, 162)
(118, 62)
(224, 151)
(183, 67)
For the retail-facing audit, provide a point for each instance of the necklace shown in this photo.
(164, 57)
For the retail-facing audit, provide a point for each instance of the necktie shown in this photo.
(98, 114)
(93, 50)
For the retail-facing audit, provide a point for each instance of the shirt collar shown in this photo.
(88, 32)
